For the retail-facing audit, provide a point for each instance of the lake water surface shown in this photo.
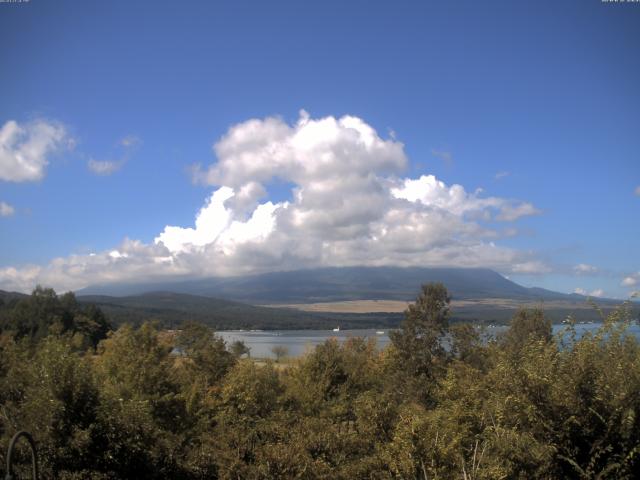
(298, 342)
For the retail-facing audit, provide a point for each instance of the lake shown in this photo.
(300, 341)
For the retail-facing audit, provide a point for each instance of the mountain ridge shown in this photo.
(289, 300)
(342, 284)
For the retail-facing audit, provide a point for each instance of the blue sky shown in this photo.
(535, 103)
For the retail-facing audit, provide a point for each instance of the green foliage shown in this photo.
(50, 392)
(238, 349)
(467, 345)
(140, 402)
(205, 354)
(418, 352)
(527, 326)
(45, 313)
(156, 404)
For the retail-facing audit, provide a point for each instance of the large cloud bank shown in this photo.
(348, 204)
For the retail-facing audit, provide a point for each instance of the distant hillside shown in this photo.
(480, 295)
(341, 284)
(172, 309)
(6, 297)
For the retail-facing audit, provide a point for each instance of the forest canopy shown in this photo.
(140, 402)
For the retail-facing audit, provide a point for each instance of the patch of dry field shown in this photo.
(350, 306)
(395, 306)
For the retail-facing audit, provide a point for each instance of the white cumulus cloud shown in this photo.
(430, 191)
(585, 269)
(6, 210)
(631, 280)
(25, 149)
(346, 204)
(594, 293)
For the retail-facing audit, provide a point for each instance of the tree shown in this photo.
(467, 345)
(239, 348)
(418, 354)
(280, 351)
(92, 323)
(44, 313)
(50, 392)
(35, 315)
(248, 398)
(142, 409)
(206, 351)
(527, 326)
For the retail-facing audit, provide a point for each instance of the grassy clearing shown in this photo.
(395, 306)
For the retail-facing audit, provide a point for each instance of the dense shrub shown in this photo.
(149, 404)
